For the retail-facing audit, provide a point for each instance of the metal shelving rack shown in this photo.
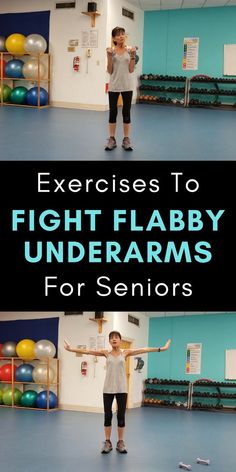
(202, 394)
(167, 393)
(199, 91)
(208, 92)
(163, 90)
(213, 396)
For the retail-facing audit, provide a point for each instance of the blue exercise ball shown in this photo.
(32, 96)
(24, 373)
(41, 401)
(14, 68)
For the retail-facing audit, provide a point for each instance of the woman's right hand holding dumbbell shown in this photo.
(109, 52)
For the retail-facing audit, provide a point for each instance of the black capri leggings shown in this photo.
(121, 399)
(127, 100)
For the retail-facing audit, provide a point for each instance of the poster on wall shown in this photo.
(190, 57)
(92, 343)
(193, 360)
(229, 59)
(89, 39)
(230, 364)
(100, 342)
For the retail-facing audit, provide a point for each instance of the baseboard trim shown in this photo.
(137, 405)
(80, 106)
(91, 409)
(87, 409)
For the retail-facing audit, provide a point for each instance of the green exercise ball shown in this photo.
(29, 398)
(1, 394)
(18, 95)
(6, 93)
(7, 396)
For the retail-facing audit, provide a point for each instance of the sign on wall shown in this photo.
(230, 59)
(190, 57)
(230, 364)
(89, 39)
(193, 360)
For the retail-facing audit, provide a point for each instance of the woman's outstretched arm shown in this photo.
(84, 351)
(144, 350)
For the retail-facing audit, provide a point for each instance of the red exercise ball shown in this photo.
(2, 67)
(6, 372)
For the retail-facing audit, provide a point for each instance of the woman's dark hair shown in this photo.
(113, 333)
(117, 30)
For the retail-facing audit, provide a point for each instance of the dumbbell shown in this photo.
(185, 466)
(203, 461)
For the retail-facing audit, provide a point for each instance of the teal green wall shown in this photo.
(164, 32)
(215, 332)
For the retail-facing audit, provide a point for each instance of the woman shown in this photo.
(115, 384)
(120, 65)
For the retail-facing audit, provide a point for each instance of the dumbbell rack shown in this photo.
(163, 393)
(213, 396)
(163, 90)
(199, 91)
(203, 394)
(208, 92)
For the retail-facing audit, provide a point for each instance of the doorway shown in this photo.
(127, 345)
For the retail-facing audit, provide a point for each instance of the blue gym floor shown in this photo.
(157, 440)
(159, 133)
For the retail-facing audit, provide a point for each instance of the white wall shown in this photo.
(78, 392)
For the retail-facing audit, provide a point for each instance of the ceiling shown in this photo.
(180, 4)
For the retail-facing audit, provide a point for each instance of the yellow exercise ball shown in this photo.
(15, 44)
(25, 349)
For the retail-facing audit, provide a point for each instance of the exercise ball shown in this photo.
(6, 93)
(18, 95)
(44, 349)
(1, 345)
(6, 372)
(0, 373)
(1, 394)
(15, 44)
(2, 67)
(14, 68)
(2, 43)
(24, 373)
(9, 349)
(32, 96)
(30, 69)
(25, 349)
(29, 399)
(41, 401)
(7, 396)
(35, 44)
(42, 374)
